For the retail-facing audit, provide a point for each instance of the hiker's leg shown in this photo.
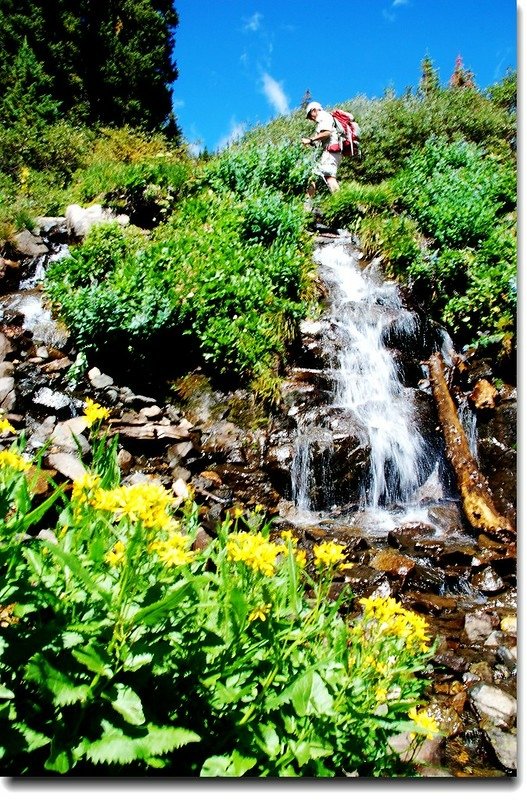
(332, 183)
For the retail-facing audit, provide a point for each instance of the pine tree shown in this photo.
(429, 83)
(109, 61)
(461, 78)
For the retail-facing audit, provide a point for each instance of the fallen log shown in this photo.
(474, 490)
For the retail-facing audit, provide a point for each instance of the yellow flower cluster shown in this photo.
(5, 426)
(392, 619)
(116, 555)
(174, 552)
(14, 461)
(328, 554)
(427, 724)
(144, 502)
(94, 412)
(254, 550)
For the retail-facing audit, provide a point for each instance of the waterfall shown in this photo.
(367, 385)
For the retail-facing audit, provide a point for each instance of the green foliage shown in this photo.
(455, 192)
(106, 62)
(158, 657)
(355, 201)
(243, 169)
(394, 238)
(206, 274)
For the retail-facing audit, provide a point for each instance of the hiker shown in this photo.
(325, 134)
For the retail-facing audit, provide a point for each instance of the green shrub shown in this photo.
(355, 201)
(235, 300)
(455, 192)
(126, 652)
(285, 166)
(394, 238)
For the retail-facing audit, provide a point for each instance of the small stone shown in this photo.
(492, 702)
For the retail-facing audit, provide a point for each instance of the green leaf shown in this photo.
(5, 693)
(73, 563)
(309, 695)
(95, 658)
(156, 611)
(115, 747)
(128, 704)
(233, 766)
(59, 761)
(64, 691)
(34, 739)
(308, 751)
(268, 741)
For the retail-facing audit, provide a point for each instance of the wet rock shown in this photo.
(57, 365)
(5, 346)
(392, 562)
(431, 603)
(451, 661)
(53, 228)
(487, 581)
(478, 626)
(495, 704)
(28, 245)
(65, 432)
(7, 393)
(504, 744)
(125, 461)
(66, 464)
(98, 379)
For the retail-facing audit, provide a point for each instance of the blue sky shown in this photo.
(244, 62)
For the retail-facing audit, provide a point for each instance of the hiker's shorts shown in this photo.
(328, 164)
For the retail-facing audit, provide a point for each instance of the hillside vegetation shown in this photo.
(216, 263)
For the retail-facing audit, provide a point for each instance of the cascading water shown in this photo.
(367, 386)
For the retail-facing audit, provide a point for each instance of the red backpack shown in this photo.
(349, 134)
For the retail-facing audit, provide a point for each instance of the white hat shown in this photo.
(311, 106)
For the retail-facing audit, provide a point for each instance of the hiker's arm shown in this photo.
(319, 137)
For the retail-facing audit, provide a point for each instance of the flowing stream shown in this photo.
(367, 393)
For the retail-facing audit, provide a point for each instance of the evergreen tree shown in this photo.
(461, 78)
(109, 61)
(429, 83)
(26, 101)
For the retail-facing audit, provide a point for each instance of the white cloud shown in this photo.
(399, 3)
(275, 94)
(236, 132)
(253, 23)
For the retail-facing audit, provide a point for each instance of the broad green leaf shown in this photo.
(82, 574)
(59, 761)
(115, 747)
(155, 611)
(269, 741)
(5, 693)
(233, 766)
(309, 695)
(309, 751)
(128, 704)
(34, 739)
(95, 658)
(64, 691)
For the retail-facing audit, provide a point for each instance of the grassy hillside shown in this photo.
(217, 258)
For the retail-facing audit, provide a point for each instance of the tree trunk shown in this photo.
(475, 494)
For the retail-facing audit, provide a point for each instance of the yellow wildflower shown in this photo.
(260, 612)
(427, 724)
(6, 427)
(301, 558)
(116, 554)
(142, 502)
(94, 412)
(254, 550)
(380, 694)
(173, 555)
(328, 554)
(14, 461)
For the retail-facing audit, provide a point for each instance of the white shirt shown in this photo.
(325, 122)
